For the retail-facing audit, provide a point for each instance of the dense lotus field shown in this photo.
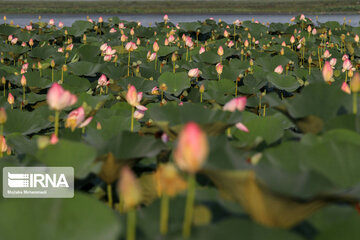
(200, 130)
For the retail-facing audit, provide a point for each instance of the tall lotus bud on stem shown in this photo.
(194, 73)
(40, 68)
(220, 52)
(166, 18)
(201, 90)
(58, 99)
(130, 196)
(156, 49)
(190, 155)
(11, 100)
(168, 184)
(310, 61)
(63, 70)
(327, 73)
(219, 69)
(173, 59)
(133, 98)
(52, 64)
(5, 20)
(355, 88)
(31, 43)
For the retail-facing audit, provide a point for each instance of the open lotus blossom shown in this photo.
(110, 51)
(192, 148)
(129, 189)
(171, 38)
(326, 54)
(345, 88)
(28, 27)
(69, 47)
(121, 26)
(130, 46)
(327, 72)
(123, 38)
(189, 42)
(14, 41)
(75, 118)
(134, 98)
(347, 65)
(230, 44)
(241, 127)
(60, 50)
(151, 57)
(112, 30)
(302, 17)
(333, 62)
(344, 57)
(195, 72)
(58, 98)
(103, 47)
(102, 81)
(238, 103)
(279, 69)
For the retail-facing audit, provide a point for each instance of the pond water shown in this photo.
(146, 19)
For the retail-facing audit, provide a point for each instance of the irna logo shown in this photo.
(18, 180)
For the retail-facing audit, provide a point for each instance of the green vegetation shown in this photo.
(226, 7)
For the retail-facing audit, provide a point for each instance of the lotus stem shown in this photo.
(132, 118)
(189, 208)
(2, 135)
(129, 64)
(355, 103)
(24, 94)
(52, 74)
(162, 95)
(228, 132)
(264, 112)
(131, 225)
(155, 66)
(201, 97)
(57, 116)
(109, 192)
(164, 214)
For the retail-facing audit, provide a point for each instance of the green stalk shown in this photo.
(162, 95)
(24, 95)
(189, 208)
(201, 97)
(164, 214)
(57, 116)
(355, 102)
(228, 131)
(2, 135)
(155, 63)
(236, 87)
(109, 192)
(131, 225)
(132, 118)
(129, 65)
(52, 74)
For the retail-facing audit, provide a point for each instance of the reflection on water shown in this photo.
(146, 19)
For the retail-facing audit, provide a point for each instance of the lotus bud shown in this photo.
(3, 116)
(156, 47)
(195, 72)
(202, 89)
(52, 64)
(238, 103)
(10, 99)
(327, 72)
(220, 51)
(279, 69)
(23, 81)
(132, 96)
(192, 148)
(219, 68)
(129, 189)
(355, 83)
(345, 88)
(58, 98)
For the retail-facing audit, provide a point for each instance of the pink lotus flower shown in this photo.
(28, 27)
(107, 58)
(31, 42)
(14, 41)
(152, 57)
(192, 148)
(123, 38)
(356, 38)
(347, 65)
(10, 99)
(23, 80)
(23, 44)
(188, 42)
(327, 72)
(102, 81)
(101, 19)
(121, 26)
(246, 43)
(302, 18)
(90, 20)
(156, 46)
(314, 31)
(138, 41)
(112, 30)
(54, 139)
(58, 98)
(195, 72)
(132, 97)
(292, 19)
(238, 103)
(202, 50)
(86, 122)
(219, 68)
(226, 34)
(326, 54)
(61, 25)
(129, 188)
(138, 114)
(60, 50)
(130, 46)
(103, 47)
(69, 47)
(309, 28)
(10, 37)
(333, 62)
(344, 57)
(220, 51)
(166, 18)
(166, 42)
(241, 127)
(110, 51)
(75, 118)
(171, 38)
(292, 39)
(345, 88)
(4, 146)
(279, 69)
(132, 32)
(230, 44)
(51, 22)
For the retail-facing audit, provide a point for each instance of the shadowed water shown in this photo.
(146, 19)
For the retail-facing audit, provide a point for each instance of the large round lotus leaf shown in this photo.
(165, 50)
(57, 219)
(173, 116)
(25, 122)
(69, 154)
(84, 68)
(89, 53)
(79, 27)
(270, 63)
(282, 169)
(190, 26)
(336, 222)
(283, 82)
(140, 84)
(127, 145)
(222, 91)
(349, 121)
(318, 99)
(43, 52)
(176, 82)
